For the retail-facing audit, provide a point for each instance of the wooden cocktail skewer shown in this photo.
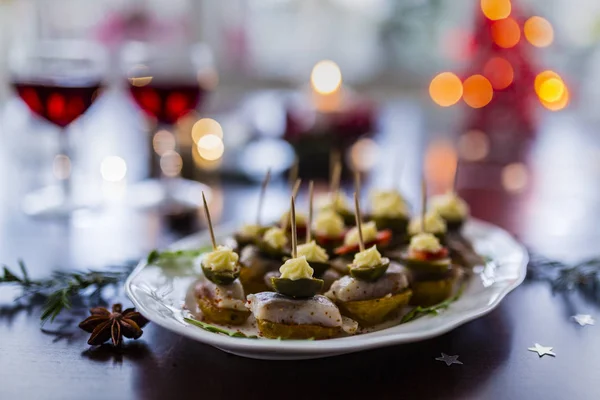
(296, 187)
(263, 189)
(310, 211)
(455, 178)
(293, 174)
(335, 180)
(423, 203)
(209, 222)
(293, 225)
(357, 182)
(358, 217)
(334, 159)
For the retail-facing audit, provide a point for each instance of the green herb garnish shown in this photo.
(216, 329)
(170, 256)
(435, 309)
(63, 288)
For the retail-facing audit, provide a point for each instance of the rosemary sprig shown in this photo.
(216, 329)
(64, 288)
(419, 311)
(168, 258)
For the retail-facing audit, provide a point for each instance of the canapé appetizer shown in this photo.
(296, 311)
(257, 260)
(389, 211)
(329, 230)
(432, 273)
(430, 223)
(370, 236)
(219, 293)
(374, 290)
(451, 208)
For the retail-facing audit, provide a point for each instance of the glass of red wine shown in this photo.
(58, 80)
(168, 83)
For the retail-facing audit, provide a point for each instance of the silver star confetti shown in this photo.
(542, 350)
(583, 319)
(449, 360)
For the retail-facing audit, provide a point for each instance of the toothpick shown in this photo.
(357, 182)
(335, 179)
(293, 174)
(334, 158)
(423, 203)
(455, 178)
(310, 211)
(358, 217)
(208, 220)
(293, 224)
(263, 189)
(296, 187)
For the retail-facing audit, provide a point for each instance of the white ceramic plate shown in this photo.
(159, 294)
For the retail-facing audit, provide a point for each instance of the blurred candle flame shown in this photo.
(326, 77)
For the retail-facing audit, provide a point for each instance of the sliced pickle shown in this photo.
(370, 274)
(274, 330)
(226, 316)
(271, 252)
(428, 266)
(396, 224)
(375, 311)
(221, 277)
(319, 268)
(428, 293)
(297, 288)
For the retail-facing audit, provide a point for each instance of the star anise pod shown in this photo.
(104, 325)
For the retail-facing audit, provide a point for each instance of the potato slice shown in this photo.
(274, 330)
(226, 316)
(375, 311)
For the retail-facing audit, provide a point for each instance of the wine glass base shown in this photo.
(167, 195)
(51, 202)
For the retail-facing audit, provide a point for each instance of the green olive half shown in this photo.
(319, 268)
(396, 224)
(221, 277)
(270, 251)
(297, 288)
(369, 274)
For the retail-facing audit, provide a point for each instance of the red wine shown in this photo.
(60, 105)
(167, 102)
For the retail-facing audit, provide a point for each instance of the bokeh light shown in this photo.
(515, 177)
(211, 147)
(499, 72)
(203, 163)
(139, 75)
(163, 141)
(206, 126)
(538, 31)
(506, 33)
(496, 9)
(473, 145)
(171, 163)
(477, 91)
(446, 89)
(208, 79)
(364, 155)
(326, 77)
(542, 77)
(61, 167)
(560, 103)
(551, 90)
(440, 164)
(113, 169)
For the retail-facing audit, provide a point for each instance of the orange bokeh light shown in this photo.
(551, 90)
(496, 9)
(445, 89)
(560, 103)
(506, 33)
(499, 72)
(477, 91)
(543, 77)
(538, 31)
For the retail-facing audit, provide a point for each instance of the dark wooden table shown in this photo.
(163, 365)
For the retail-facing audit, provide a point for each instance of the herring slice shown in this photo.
(274, 307)
(348, 288)
(222, 296)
